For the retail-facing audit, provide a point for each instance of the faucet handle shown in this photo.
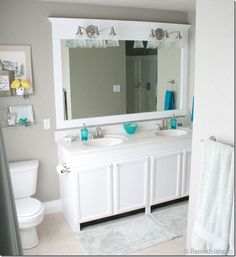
(98, 132)
(158, 127)
(165, 124)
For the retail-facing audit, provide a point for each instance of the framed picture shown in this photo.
(6, 78)
(22, 113)
(17, 60)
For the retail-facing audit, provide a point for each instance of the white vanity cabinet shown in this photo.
(113, 188)
(130, 185)
(94, 188)
(113, 180)
(165, 177)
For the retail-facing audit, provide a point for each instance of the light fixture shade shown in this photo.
(167, 43)
(151, 44)
(138, 44)
(99, 43)
(112, 40)
(112, 43)
(70, 43)
(179, 41)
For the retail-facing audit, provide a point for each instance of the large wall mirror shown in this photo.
(141, 75)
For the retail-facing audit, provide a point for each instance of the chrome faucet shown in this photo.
(164, 125)
(98, 133)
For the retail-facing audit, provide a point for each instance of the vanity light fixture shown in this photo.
(112, 41)
(138, 44)
(160, 38)
(89, 37)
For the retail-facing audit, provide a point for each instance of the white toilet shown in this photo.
(29, 210)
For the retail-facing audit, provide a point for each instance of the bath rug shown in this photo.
(123, 236)
(136, 232)
(173, 218)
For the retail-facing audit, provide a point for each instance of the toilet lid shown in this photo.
(27, 207)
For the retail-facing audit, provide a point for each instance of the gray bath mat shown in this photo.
(123, 236)
(173, 218)
(136, 232)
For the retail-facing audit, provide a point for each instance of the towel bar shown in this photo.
(213, 138)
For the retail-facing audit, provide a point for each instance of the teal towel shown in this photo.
(169, 100)
(192, 110)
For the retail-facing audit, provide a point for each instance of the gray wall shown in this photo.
(26, 22)
(93, 72)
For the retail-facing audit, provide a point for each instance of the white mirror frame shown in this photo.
(66, 28)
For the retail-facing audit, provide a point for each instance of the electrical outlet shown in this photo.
(46, 124)
(116, 88)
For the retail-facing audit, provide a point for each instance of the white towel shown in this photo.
(215, 199)
(231, 236)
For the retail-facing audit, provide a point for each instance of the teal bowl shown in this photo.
(130, 128)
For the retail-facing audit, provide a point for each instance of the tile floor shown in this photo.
(57, 238)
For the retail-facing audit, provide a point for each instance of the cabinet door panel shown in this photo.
(165, 177)
(94, 193)
(186, 172)
(130, 180)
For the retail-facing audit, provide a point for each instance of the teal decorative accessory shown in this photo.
(192, 110)
(130, 128)
(173, 122)
(84, 133)
(22, 122)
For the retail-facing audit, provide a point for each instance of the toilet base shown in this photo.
(29, 238)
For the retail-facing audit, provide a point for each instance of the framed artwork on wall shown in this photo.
(6, 78)
(15, 60)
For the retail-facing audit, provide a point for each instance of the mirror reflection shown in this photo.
(129, 78)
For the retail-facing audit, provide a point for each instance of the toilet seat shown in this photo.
(29, 212)
(27, 207)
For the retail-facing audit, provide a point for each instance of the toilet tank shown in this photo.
(24, 178)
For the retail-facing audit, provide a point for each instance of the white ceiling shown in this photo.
(176, 5)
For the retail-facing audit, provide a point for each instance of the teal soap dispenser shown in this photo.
(84, 133)
(173, 122)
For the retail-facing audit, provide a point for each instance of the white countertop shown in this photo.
(142, 137)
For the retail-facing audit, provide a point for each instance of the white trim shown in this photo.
(65, 28)
(186, 153)
(52, 206)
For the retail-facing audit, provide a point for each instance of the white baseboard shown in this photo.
(52, 206)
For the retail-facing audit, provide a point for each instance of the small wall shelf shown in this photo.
(17, 116)
(17, 125)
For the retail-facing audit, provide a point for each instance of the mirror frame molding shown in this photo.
(65, 28)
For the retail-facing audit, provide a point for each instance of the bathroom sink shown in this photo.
(106, 141)
(172, 133)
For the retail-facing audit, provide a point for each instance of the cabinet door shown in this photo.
(94, 193)
(165, 177)
(130, 185)
(186, 172)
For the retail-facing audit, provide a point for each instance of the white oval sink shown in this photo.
(172, 133)
(106, 141)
